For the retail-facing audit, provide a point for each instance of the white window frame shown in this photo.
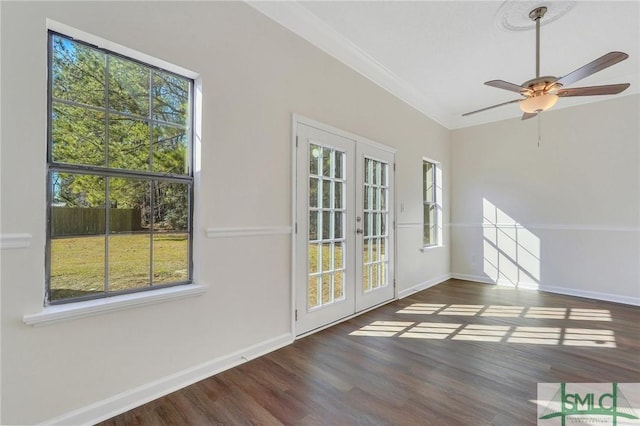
(436, 204)
(79, 307)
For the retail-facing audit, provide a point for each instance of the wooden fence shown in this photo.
(67, 221)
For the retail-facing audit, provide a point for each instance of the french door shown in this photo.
(344, 215)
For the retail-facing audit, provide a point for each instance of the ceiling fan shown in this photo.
(541, 93)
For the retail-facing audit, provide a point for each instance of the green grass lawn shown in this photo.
(78, 263)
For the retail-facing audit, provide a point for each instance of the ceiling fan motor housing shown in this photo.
(540, 84)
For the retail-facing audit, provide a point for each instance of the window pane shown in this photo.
(314, 258)
(366, 276)
(128, 143)
(367, 197)
(375, 229)
(338, 290)
(338, 257)
(339, 164)
(376, 198)
(326, 194)
(77, 72)
(383, 178)
(78, 135)
(313, 225)
(376, 172)
(171, 237)
(367, 224)
(429, 188)
(78, 190)
(374, 249)
(77, 236)
(339, 202)
(313, 192)
(312, 292)
(128, 87)
(170, 257)
(375, 276)
(326, 162)
(383, 199)
(130, 216)
(429, 224)
(337, 229)
(171, 206)
(170, 98)
(327, 229)
(327, 292)
(169, 150)
(314, 154)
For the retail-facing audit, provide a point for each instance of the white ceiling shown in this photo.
(436, 55)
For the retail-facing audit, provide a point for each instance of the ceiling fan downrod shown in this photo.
(535, 15)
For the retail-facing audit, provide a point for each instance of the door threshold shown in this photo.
(331, 324)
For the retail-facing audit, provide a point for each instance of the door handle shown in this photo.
(359, 231)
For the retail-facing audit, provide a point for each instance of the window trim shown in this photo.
(435, 170)
(86, 308)
(151, 293)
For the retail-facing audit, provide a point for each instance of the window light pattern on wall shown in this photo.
(511, 252)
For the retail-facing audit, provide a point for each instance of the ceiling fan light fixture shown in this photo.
(538, 103)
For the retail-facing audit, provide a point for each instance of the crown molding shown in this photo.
(305, 24)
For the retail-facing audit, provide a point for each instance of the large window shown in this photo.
(120, 181)
(430, 201)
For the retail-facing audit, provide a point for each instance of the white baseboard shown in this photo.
(107, 408)
(567, 291)
(423, 286)
(502, 282)
(608, 297)
(468, 277)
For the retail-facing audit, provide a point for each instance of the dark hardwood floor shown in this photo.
(460, 353)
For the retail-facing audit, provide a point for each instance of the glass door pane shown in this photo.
(375, 230)
(326, 237)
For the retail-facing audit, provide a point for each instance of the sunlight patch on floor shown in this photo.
(507, 311)
(558, 336)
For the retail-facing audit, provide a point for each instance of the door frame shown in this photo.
(297, 119)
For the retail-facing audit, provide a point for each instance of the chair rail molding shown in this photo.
(15, 241)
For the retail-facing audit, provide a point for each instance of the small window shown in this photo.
(430, 201)
(120, 180)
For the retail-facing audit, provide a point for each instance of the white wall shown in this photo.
(254, 75)
(564, 216)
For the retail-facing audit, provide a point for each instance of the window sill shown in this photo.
(57, 313)
(429, 248)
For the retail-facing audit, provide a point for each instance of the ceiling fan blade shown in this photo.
(610, 89)
(501, 84)
(599, 64)
(491, 107)
(528, 115)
